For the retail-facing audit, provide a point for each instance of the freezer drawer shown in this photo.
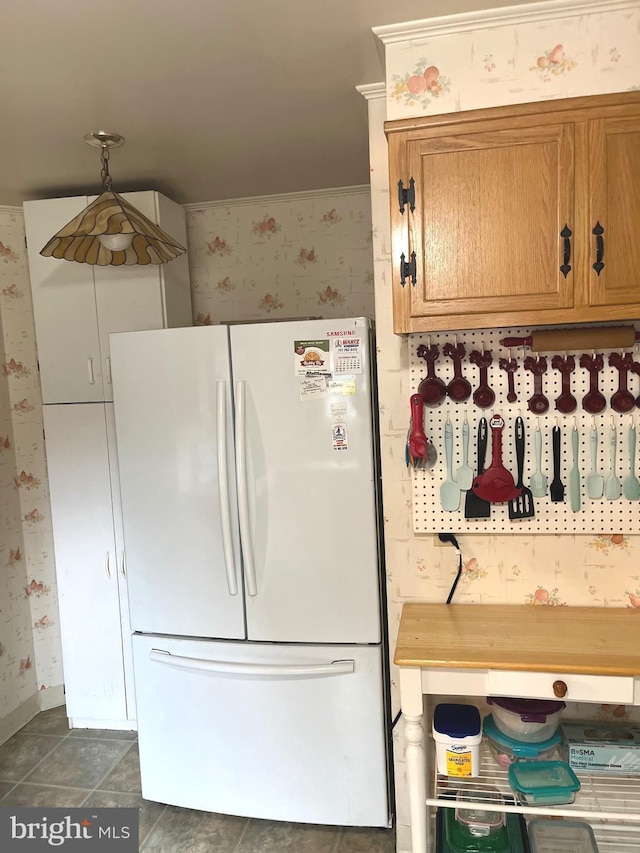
(292, 733)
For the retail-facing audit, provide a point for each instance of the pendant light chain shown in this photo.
(104, 171)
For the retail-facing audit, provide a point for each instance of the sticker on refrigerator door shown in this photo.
(312, 358)
(339, 436)
(345, 387)
(347, 355)
(313, 387)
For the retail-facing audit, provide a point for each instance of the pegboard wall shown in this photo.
(594, 516)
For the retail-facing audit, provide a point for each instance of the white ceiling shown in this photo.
(216, 98)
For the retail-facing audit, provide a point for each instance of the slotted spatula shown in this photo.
(521, 506)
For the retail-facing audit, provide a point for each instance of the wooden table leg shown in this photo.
(415, 756)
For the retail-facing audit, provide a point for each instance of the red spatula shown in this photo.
(496, 485)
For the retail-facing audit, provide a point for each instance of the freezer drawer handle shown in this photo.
(336, 667)
(223, 488)
(243, 495)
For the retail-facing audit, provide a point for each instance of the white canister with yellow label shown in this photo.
(457, 731)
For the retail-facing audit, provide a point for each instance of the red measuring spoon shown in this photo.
(509, 365)
(483, 396)
(623, 400)
(459, 389)
(538, 404)
(431, 389)
(566, 402)
(593, 401)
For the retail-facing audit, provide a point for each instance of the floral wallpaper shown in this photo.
(481, 67)
(282, 256)
(29, 633)
(567, 56)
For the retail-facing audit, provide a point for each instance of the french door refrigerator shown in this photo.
(250, 496)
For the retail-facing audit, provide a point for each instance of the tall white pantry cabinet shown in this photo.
(75, 307)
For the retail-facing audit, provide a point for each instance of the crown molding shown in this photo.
(279, 197)
(490, 18)
(371, 91)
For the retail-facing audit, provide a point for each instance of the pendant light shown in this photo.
(110, 231)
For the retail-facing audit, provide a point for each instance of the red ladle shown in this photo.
(459, 389)
(566, 402)
(593, 401)
(431, 389)
(623, 400)
(483, 396)
(538, 404)
(496, 485)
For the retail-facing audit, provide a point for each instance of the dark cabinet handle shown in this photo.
(598, 231)
(565, 267)
(407, 196)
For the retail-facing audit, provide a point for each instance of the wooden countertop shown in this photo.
(587, 640)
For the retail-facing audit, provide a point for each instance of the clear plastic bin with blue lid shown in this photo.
(506, 750)
(550, 783)
(561, 836)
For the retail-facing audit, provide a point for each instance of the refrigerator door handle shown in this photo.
(223, 487)
(243, 492)
(336, 667)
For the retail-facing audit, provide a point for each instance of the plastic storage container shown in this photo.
(473, 817)
(457, 731)
(506, 749)
(515, 828)
(532, 720)
(549, 783)
(561, 836)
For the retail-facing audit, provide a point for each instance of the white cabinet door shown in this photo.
(64, 308)
(86, 561)
(77, 306)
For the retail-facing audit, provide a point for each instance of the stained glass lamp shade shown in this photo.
(110, 231)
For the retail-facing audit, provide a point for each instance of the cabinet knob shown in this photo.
(559, 689)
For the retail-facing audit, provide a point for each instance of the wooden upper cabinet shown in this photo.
(506, 200)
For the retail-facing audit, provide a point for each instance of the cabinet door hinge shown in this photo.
(407, 196)
(407, 269)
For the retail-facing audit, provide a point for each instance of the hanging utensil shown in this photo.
(574, 474)
(421, 450)
(612, 486)
(483, 396)
(496, 485)
(538, 404)
(630, 484)
(593, 401)
(510, 365)
(464, 475)
(459, 389)
(623, 400)
(474, 506)
(522, 506)
(557, 488)
(538, 482)
(449, 490)
(595, 481)
(431, 389)
(566, 402)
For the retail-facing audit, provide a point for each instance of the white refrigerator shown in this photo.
(250, 495)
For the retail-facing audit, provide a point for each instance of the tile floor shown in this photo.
(45, 764)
